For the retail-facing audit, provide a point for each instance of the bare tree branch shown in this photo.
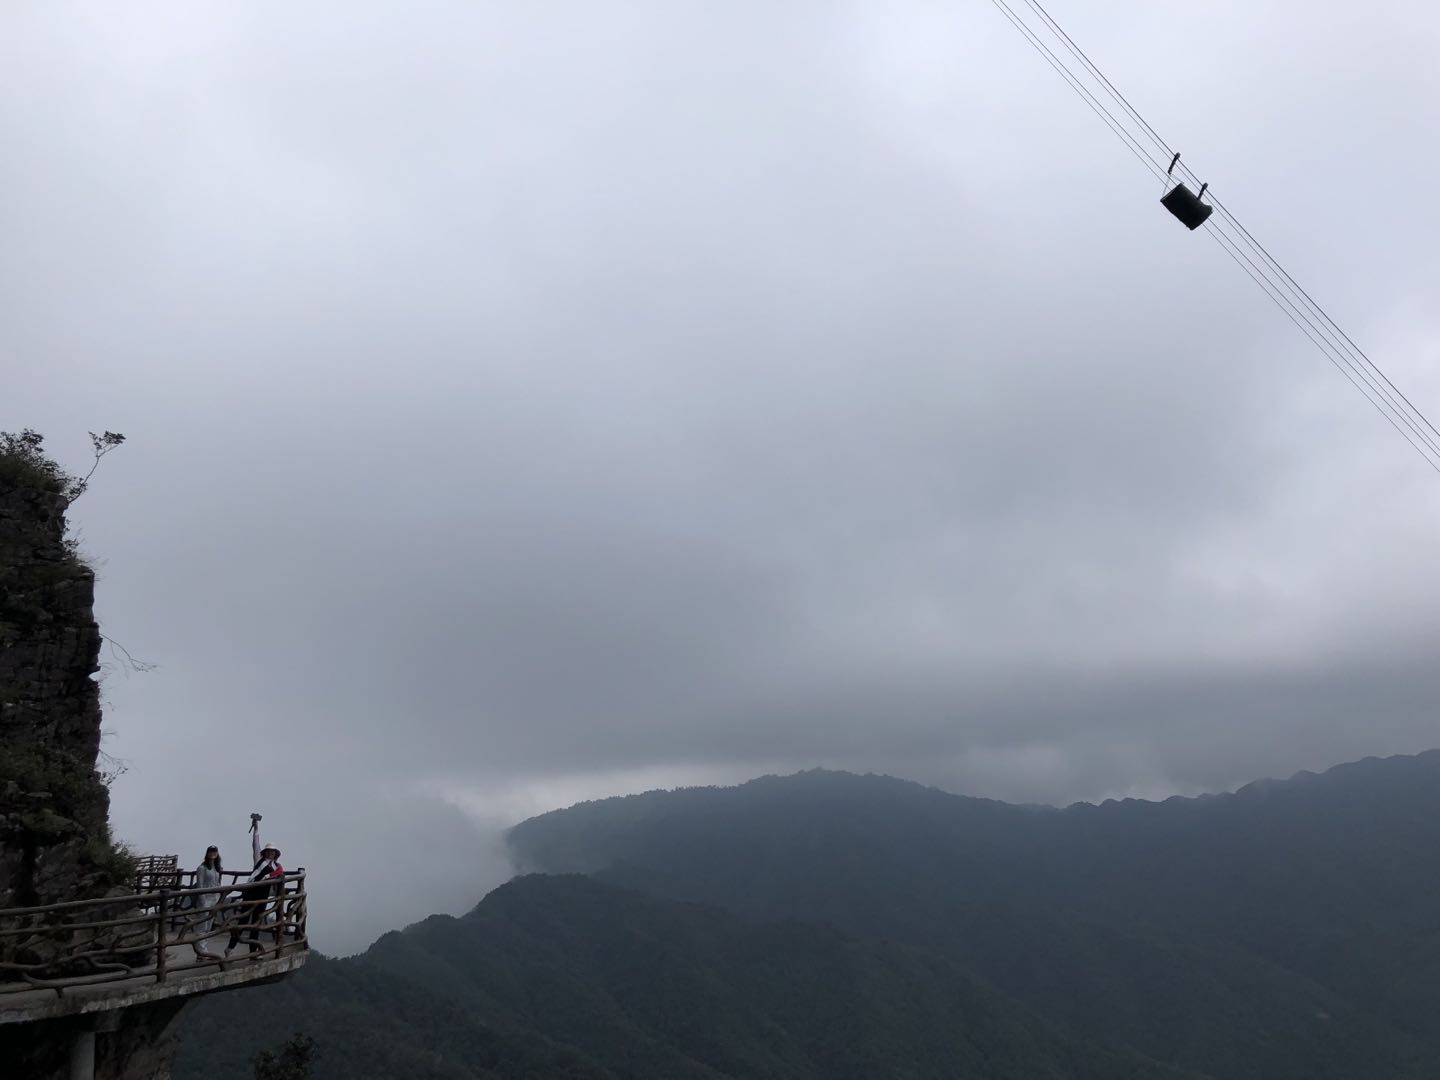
(126, 661)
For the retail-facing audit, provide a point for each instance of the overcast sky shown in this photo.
(531, 402)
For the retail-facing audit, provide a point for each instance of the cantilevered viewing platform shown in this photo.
(91, 960)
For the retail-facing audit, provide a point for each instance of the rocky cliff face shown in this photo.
(54, 837)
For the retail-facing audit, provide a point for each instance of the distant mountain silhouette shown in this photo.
(833, 925)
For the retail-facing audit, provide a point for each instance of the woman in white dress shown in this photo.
(207, 876)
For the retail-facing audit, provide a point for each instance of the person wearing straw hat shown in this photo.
(255, 892)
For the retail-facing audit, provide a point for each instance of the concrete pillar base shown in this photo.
(82, 1056)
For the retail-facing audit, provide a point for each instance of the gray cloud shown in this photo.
(528, 403)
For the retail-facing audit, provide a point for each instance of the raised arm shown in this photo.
(255, 838)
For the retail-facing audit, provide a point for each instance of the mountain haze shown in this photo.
(827, 924)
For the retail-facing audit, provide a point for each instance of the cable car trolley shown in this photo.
(1191, 210)
(1185, 204)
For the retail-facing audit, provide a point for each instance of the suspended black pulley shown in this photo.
(1186, 204)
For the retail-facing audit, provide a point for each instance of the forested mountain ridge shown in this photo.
(1326, 885)
(826, 924)
(571, 977)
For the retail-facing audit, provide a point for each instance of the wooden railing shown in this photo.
(154, 872)
(155, 935)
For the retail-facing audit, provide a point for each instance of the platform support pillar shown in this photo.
(82, 1056)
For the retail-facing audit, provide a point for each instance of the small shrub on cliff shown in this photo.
(293, 1062)
(114, 860)
(23, 462)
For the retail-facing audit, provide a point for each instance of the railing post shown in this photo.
(161, 916)
(304, 905)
